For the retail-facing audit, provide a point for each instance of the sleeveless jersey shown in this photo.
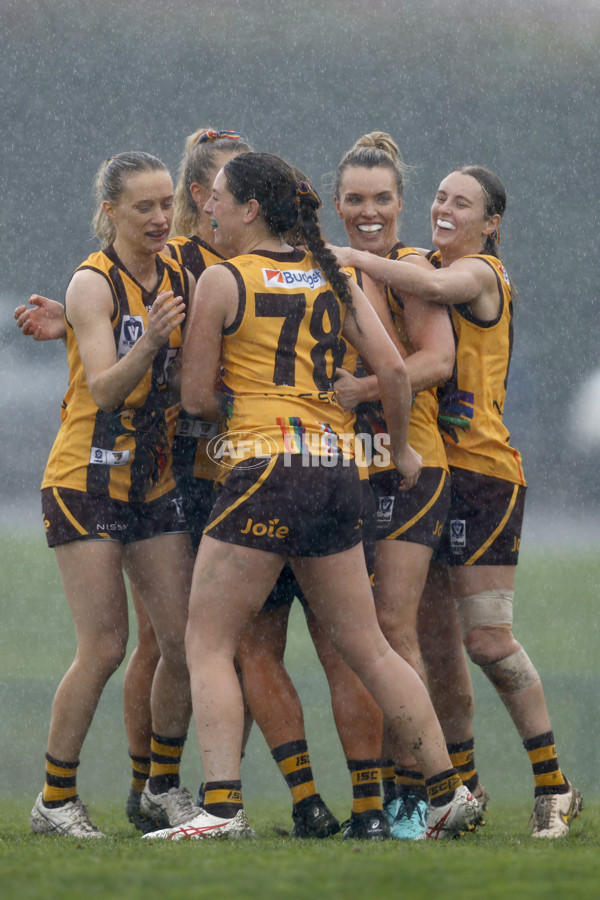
(193, 253)
(279, 357)
(423, 433)
(193, 434)
(351, 362)
(124, 454)
(472, 400)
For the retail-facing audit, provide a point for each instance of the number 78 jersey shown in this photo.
(281, 352)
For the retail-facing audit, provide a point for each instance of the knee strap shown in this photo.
(512, 674)
(486, 608)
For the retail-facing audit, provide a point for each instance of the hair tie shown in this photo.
(305, 189)
(217, 136)
(110, 159)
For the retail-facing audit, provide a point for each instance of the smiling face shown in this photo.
(143, 214)
(369, 205)
(459, 220)
(226, 216)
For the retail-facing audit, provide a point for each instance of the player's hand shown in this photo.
(409, 464)
(342, 254)
(166, 313)
(43, 320)
(348, 389)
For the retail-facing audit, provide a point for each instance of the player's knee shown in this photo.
(513, 673)
(487, 644)
(486, 624)
(109, 652)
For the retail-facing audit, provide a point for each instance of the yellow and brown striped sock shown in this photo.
(410, 781)
(165, 760)
(441, 787)
(462, 756)
(366, 784)
(293, 761)
(223, 798)
(140, 770)
(544, 761)
(61, 782)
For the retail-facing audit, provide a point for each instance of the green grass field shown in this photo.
(556, 619)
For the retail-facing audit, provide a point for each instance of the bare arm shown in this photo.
(430, 333)
(467, 280)
(367, 334)
(214, 307)
(89, 307)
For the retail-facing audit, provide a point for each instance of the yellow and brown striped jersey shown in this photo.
(472, 400)
(423, 434)
(281, 352)
(193, 434)
(124, 454)
(193, 253)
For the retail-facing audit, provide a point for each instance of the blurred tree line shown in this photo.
(511, 85)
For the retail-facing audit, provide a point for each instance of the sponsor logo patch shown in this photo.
(386, 508)
(196, 428)
(132, 328)
(458, 534)
(101, 457)
(293, 278)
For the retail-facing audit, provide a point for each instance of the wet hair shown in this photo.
(494, 201)
(287, 201)
(110, 183)
(202, 148)
(369, 152)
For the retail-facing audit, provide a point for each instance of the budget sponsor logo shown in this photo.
(294, 278)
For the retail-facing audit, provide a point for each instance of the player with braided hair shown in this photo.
(270, 320)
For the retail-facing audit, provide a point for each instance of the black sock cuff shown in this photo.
(61, 763)
(540, 740)
(461, 746)
(355, 765)
(292, 748)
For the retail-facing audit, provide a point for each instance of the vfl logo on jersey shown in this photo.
(504, 274)
(458, 534)
(101, 457)
(132, 328)
(386, 508)
(196, 428)
(294, 278)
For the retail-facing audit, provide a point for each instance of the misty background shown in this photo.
(512, 85)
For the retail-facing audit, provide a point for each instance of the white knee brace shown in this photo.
(487, 608)
(512, 674)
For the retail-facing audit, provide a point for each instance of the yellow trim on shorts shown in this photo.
(244, 496)
(68, 515)
(421, 513)
(496, 531)
(72, 519)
